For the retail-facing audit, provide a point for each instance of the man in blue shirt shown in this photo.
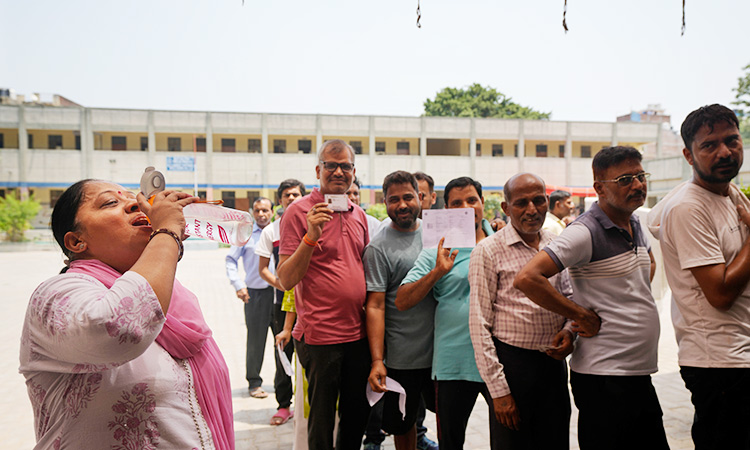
(256, 294)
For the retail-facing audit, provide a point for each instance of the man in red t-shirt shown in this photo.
(321, 254)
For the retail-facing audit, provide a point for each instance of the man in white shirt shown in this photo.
(267, 248)
(703, 229)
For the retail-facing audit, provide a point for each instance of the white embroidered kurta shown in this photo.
(95, 375)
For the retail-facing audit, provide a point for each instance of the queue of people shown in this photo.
(116, 353)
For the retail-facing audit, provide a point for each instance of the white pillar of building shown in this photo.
(658, 141)
(23, 153)
(473, 149)
(87, 144)
(614, 135)
(521, 146)
(423, 145)
(568, 154)
(264, 149)
(209, 156)
(318, 136)
(371, 150)
(151, 139)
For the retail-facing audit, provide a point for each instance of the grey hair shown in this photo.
(336, 146)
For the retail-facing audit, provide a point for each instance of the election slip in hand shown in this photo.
(392, 386)
(456, 225)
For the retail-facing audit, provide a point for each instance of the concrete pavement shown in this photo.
(202, 271)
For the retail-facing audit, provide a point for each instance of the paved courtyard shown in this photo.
(202, 271)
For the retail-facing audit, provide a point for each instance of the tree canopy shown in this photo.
(742, 102)
(478, 101)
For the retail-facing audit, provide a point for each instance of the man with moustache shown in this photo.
(703, 229)
(321, 254)
(400, 341)
(519, 346)
(611, 267)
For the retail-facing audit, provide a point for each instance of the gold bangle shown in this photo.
(176, 239)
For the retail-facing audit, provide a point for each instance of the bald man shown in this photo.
(520, 347)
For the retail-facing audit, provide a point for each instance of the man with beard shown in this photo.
(703, 229)
(519, 346)
(400, 341)
(611, 267)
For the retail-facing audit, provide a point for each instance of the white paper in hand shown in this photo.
(456, 225)
(393, 386)
(285, 361)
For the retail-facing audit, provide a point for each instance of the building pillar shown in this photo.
(23, 153)
(318, 136)
(569, 154)
(473, 149)
(264, 149)
(371, 153)
(658, 141)
(423, 145)
(151, 139)
(209, 156)
(614, 135)
(521, 146)
(87, 144)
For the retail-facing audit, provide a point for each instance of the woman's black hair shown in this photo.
(65, 212)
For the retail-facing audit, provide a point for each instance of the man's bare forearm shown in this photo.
(292, 268)
(410, 294)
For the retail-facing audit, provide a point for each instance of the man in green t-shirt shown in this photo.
(445, 272)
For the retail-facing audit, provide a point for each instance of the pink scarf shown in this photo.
(186, 335)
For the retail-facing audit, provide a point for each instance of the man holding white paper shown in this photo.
(400, 341)
(519, 346)
(445, 272)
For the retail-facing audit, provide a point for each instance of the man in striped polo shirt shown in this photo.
(611, 266)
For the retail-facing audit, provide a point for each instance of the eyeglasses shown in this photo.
(332, 166)
(627, 180)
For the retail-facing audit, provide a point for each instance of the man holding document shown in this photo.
(519, 346)
(445, 272)
(400, 341)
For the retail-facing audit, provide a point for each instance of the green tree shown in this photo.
(378, 211)
(742, 102)
(492, 207)
(16, 215)
(478, 101)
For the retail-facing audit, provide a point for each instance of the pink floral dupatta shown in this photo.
(186, 335)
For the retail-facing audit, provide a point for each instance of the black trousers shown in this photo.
(617, 412)
(539, 385)
(336, 373)
(282, 383)
(454, 401)
(721, 397)
(258, 318)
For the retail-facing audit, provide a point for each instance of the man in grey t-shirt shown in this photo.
(400, 341)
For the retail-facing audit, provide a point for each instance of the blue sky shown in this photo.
(354, 57)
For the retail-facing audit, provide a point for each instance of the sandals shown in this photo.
(282, 416)
(258, 392)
